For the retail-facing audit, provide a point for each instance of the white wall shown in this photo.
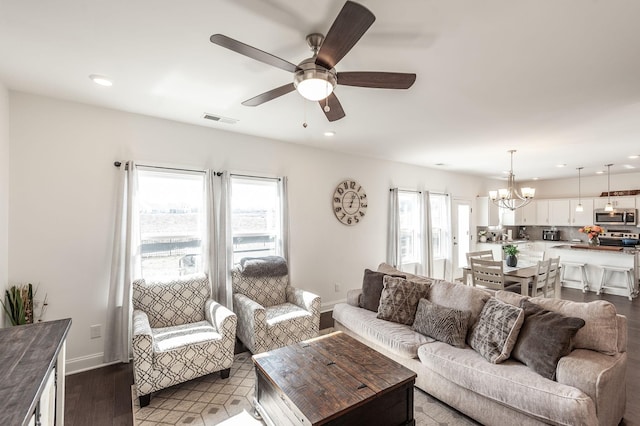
(4, 192)
(591, 185)
(63, 186)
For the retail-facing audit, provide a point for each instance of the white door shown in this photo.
(461, 232)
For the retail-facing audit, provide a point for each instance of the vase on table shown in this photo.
(512, 260)
(594, 242)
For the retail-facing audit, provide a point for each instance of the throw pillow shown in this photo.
(496, 332)
(372, 289)
(399, 299)
(544, 338)
(443, 324)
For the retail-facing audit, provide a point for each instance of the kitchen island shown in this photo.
(595, 258)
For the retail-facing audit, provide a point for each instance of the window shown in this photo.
(256, 217)
(410, 238)
(171, 213)
(439, 226)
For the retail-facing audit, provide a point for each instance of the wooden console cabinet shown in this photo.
(32, 372)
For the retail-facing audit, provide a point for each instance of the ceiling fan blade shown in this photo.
(379, 80)
(270, 95)
(252, 52)
(335, 112)
(350, 24)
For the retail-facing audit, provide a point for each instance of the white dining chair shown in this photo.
(489, 274)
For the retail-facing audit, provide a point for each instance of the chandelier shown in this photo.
(510, 198)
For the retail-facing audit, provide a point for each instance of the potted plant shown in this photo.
(511, 251)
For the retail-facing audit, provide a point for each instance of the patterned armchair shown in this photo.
(271, 313)
(179, 333)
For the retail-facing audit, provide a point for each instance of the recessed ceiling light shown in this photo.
(561, 165)
(330, 133)
(633, 157)
(101, 80)
(629, 166)
(535, 178)
(599, 172)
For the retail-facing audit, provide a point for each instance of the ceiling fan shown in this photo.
(315, 78)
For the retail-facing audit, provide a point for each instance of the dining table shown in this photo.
(523, 273)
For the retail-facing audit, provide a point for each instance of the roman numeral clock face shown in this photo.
(349, 202)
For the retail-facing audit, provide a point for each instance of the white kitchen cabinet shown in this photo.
(559, 212)
(585, 217)
(526, 215)
(617, 202)
(488, 213)
(542, 212)
(496, 248)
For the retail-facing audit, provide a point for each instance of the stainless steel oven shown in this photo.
(616, 217)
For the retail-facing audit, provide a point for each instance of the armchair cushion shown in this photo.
(267, 291)
(184, 344)
(172, 303)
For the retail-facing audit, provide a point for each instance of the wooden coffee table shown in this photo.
(332, 380)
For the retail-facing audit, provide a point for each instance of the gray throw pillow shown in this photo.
(399, 299)
(544, 338)
(496, 332)
(372, 289)
(443, 324)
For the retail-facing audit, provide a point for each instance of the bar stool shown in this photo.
(583, 274)
(622, 269)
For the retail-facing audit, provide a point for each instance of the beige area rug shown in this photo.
(210, 400)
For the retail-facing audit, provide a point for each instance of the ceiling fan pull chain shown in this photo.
(304, 109)
(327, 108)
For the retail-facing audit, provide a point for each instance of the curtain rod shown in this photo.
(118, 164)
(254, 177)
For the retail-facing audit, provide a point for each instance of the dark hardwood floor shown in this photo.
(103, 396)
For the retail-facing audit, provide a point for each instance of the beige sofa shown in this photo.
(590, 385)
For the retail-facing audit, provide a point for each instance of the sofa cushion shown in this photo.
(460, 297)
(511, 384)
(399, 299)
(443, 324)
(387, 269)
(397, 338)
(544, 338)
(497, 330)
(600, 332)
(372, 289)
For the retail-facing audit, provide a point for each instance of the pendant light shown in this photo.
(579, 208)
(510, 198)
(609, 206)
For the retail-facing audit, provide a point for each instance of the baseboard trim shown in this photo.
(85, 363)
(328, 306)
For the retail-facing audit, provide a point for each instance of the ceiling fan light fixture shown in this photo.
(314, 84)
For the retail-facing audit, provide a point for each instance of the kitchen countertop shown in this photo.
(586, 247)
(502, 243)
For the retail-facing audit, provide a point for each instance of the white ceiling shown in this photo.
(557, 80)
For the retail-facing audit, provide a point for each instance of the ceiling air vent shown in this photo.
(219, 118)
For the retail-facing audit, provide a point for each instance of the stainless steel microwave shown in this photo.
(616, 217)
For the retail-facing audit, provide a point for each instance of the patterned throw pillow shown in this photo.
(443, 324)
(496, 332)
(372, 284)
(399, 299)
(545, 337)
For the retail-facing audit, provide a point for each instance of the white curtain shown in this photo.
(426, 259)
(284, 209)
(125, 267)
(393, 239)
(218, 248)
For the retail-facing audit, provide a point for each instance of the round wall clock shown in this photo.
(349, 202)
